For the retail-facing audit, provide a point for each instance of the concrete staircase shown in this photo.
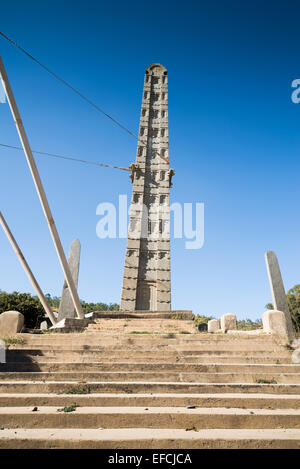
(149, 384)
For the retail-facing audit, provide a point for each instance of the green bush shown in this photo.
(201, 318)
(249, 325)
(26, 304)
(33, 311)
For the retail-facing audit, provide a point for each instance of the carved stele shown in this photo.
(66, 306)
(146, 280)
(278, 292)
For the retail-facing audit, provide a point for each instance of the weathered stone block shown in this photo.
(129, 294)
(296, 343)
(130, 272)
(129, 305)
(132, 261)
(163, 297)
(213, 325)
(274, 322)
(70, 325)
(11, 322)
(228, 322)
(129, 283)
(163, 275)
(44, 326)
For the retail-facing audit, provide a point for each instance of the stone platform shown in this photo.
(143, 314)
(76, 324)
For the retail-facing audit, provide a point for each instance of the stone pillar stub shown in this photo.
(66, 306)
(44, 326)
(228, 322)
(274, 322)
(11, 322)
(277, 290)
(213, 325)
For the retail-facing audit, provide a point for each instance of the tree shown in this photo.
(293, 297)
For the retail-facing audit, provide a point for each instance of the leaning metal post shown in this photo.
(27, 269)
(40, 190)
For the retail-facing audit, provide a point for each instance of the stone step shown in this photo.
(175, 315)
(250, 401)
(196, 335)
(204, 359)
(96, 337)
(149, 417)
(136, 387)
(149, 438)
(142, 367)
(142, 354)
(134, 347)
(148, 376)
(163, 326)
(169, 340)
(146, 351)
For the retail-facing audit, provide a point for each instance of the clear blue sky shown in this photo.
(234, 140)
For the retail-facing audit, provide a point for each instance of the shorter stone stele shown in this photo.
(228, 322)
(44, 326)
(213, 325)
(278, 292)
(274, 322)
(66, 306)
(11, 322)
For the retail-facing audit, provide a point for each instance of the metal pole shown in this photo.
(40, 190)
(27, 269)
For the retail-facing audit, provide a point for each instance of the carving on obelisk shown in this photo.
(66, 306)
(146, 279)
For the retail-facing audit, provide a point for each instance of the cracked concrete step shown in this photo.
(131, 387)
(145, 438)
(214, 360)
(199, 337)
(165, 341)
(138, 345)
(142, 366)
(132, 356)
(177, 315)
(141, 352)
(149, 417)
(236, 337)
(148, 376)
(204, 349)
(253, 401)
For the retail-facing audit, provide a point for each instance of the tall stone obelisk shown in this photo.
(146, 279)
